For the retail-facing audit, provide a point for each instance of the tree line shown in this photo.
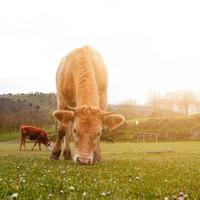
(185, 102)
(173, 103)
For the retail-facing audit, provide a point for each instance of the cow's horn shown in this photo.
(71, 108)
(107, 113)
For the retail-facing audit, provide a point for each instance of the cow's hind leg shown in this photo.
(67, 151)
(57, 148)
(24, 144)
(20, 148)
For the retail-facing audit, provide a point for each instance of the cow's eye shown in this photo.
(75, 131)
(75, 134)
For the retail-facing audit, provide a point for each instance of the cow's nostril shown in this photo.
(78, 160)
(90, 161)
(83, 160)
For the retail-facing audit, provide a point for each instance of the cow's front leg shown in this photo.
(39, 146)
(97, 153)
(34, 145)
(57, 148)
(67, 151)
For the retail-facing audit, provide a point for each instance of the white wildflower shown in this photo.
(137, 178)
(50, 195)
(84, 194)
(105, 193)
(71, 188)
(14, 196)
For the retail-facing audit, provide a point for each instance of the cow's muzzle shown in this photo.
(83, 159)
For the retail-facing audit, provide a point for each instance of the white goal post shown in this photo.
(155, 135)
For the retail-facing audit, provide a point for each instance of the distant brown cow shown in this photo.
(82, 103)
(34, 133)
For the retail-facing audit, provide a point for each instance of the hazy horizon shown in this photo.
(147, 45)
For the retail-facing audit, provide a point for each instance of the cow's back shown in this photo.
(82, 63)
(32, 132)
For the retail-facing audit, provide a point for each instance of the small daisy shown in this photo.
(84, 194)
(137, 178)
(71, 188)
(14, 196)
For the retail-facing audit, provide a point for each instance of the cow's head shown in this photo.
(87, 128)
(49, 145)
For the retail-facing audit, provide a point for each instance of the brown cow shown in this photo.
(82, 103)
(34, 133)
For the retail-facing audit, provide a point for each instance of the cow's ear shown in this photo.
(63, 116)
(113, 121)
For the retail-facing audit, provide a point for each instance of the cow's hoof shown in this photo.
(97, 157)
(55, 154)
(67, 155)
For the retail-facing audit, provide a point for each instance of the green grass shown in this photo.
(128, 171)
(6, 136)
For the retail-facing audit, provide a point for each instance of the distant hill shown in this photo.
(44, 100)
(13, 113)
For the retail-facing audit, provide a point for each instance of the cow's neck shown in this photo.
(86, 89)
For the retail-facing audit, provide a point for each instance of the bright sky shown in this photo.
(147, 45)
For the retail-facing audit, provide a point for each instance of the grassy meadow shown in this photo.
(128, 171)
(6, 136)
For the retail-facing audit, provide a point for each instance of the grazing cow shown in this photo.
(81, 105)
(34, 133)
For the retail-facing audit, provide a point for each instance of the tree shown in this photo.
(185, 99)
(169, 101)
(127, 108)
(155, 102)
(197, 106)
(197, 103)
